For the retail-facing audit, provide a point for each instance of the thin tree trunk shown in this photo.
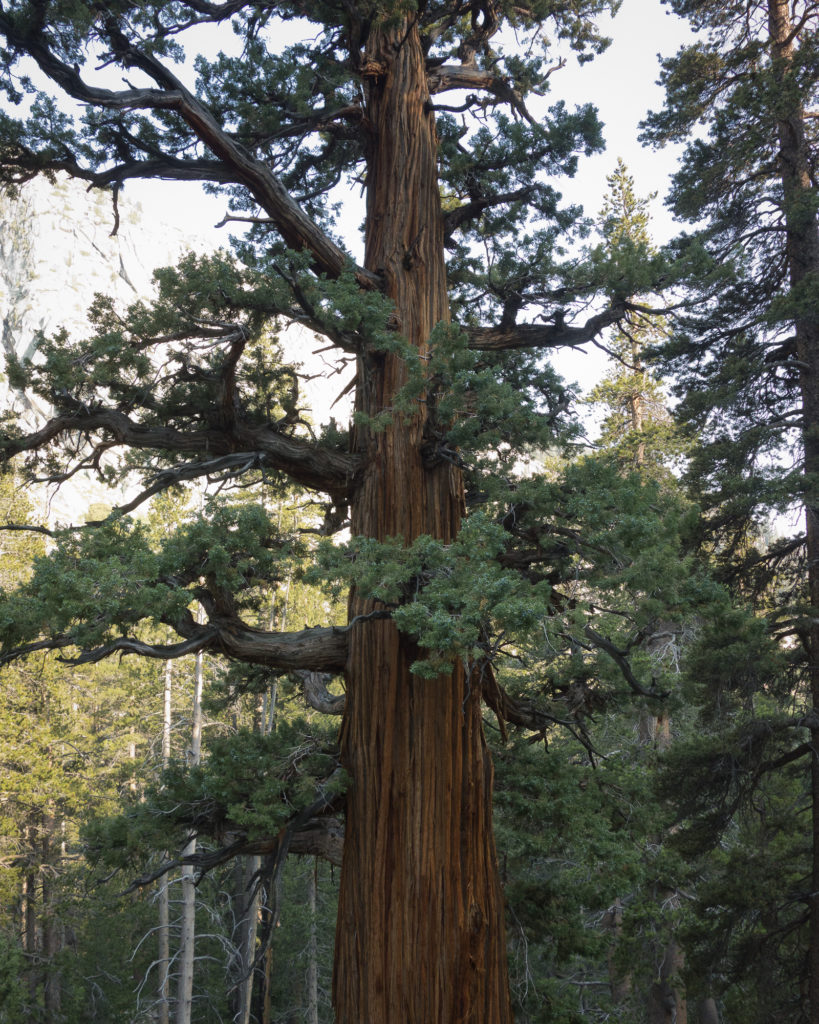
(666, 999)
(654, 730)
(803, 267)
(52, 944)
(246, 902)
(267, 1003)
(312, 950)
(29, 928)
(420, 936)
(248, 894)
(164, 952)
(184, 997)
(620, 982)
(636, 403)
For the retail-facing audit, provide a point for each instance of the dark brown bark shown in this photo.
(496, 339)
(708, 1012)
(420, 935)
(802, 236)
(325, 470)
(322, 649)
(470, 76)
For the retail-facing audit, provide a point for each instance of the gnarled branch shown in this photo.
(320, 649)
(306, 463)
(314, 688)
(553, 335)
(446, 77)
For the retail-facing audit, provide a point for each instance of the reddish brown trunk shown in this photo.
(420, 935)
(803, 267)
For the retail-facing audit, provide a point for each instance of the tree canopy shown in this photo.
(479, 568)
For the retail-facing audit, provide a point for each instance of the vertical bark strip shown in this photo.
(419, 834)
(802, 236)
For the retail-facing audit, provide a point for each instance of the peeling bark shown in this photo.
(420, 935)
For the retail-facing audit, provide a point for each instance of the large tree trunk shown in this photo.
(803, 267)
(420, 935)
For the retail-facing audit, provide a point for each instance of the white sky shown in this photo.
(622, 85)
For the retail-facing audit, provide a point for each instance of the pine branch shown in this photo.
(295, 227)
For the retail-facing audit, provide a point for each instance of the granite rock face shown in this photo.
(57, 251)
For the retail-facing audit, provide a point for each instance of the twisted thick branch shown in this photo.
(306, 463)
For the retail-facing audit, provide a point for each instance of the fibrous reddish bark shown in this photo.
(420, 934)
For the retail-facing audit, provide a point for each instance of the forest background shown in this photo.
(618, 621)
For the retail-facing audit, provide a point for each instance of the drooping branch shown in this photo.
(276, 848)
(30, 164)
(621, 660)
(470, 211)
(323, 469)
(320, 649)
(215, 470)
(525, 713)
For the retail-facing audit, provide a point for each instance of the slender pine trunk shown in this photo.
(312, 1016)
(802, 236)
(420, 937)
(666, 1002)
(708, 1012)
(163, 937)
(187, 938)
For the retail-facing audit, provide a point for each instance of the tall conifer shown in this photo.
(743, 98)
